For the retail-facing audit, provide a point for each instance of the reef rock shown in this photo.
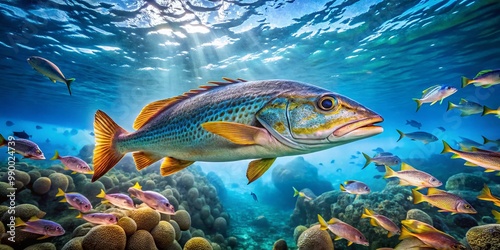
(315, 238)
(486, 237)
(466, 181)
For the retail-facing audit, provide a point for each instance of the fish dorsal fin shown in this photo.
(427, 90)
(348, 182)
(434, 191)
(137, 186)
(482, 72)
(153, 109)
(475, 149)
(334, 220)
(33, 218)
(462, 101)
(406, 167)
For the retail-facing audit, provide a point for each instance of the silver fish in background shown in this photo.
(434, 94)
(35, 225)
(99, 218)
(117, 199)
(24, 147)
(485, 79)
(466, 107)
(382, 159)
(76, 200)
(354, 187)
(414, 123)
(418, 136)
(486, 140)
(50, 70)
(73, 163)
(232, 121)
(153, 199)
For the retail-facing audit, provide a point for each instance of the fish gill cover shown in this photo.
(119, 56)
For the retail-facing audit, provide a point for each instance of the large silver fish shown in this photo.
(50, 70)
(234, 120)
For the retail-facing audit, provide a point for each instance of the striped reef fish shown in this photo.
(234, 120)
(50, 70)
(378, 220)
(490, 160)
(446, 202)
(429, 235)
(409, 176)
(485, 79)
(343, 230)
(434, 94)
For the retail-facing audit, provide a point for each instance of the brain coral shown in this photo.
(42, 246)
(145, 218)
(315, 238)
(280, 245)
(220, 225)
(198, 243)
(163, 233)
(186, 181)
(141, 240)
(485, 237)
(298, 231)
(41, 185)
(177, 229)
(128, 225)
(58, 180)
(182, 218)
(109, 237)
(73, 244)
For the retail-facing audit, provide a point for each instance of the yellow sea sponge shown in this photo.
(315, 238)
(42, 246)
(41, 185)
(198, 243)
(74, 244)
(128, 225)
(141, 240)
(108, 237)
(145, 218)
(182, 218)
(163, 233)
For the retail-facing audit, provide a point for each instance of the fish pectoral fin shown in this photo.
(172, 165)
(238, 133)
(434, 102)
(74, 172)
(43, 237)
(349, 243)
(390, 234)
(257, 168)
(337, 237)
(373, 222)
(489, 170)
(470, 164)
(143, 159)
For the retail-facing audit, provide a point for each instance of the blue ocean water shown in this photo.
(126, 54)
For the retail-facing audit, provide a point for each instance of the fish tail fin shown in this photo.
(342, 188)
(368, 160)
(447, 148)
(68, 84)
(102, 194)
(401, 135)
(56, 156)
(417, 196)
(405, 233)
(419, 103)
(3, 142)
(485, 194)
(322, 222)
(465, 81)
(485, 140)
(79, 216)
(487, 111)
(19, 222)
(496, 215)
(60, 192)
(367, 213)
(137, 186)
(106, 154)
(295, 192)
(451, 106)
(389, 172)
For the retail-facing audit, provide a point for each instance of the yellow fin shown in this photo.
(406, 167)
(171, 165)
(102, 194)
(390, 234)
(137, 186)
(60, 192)
(56, 156)
(295, 192)
(238, 133)
(470, 164)
(80, 215)
(405, 233)
(349, 243)
(106, 153)
(74, 172)
(322, 222)
(45, 236)
(33, 218)
(63, 200)
(496, 214)
(337, 237)
(342, 188)
(151, 110)
(143, 159)
(333, 221)
(489, 170)
(257, 168)
(374, 223)
(433, 191)
(389, 172)
(19, 222)
(417, 196)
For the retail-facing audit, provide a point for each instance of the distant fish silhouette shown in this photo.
(66, 133)
(321, 164)
(254, 196)
(354, 157)
(22, 135)
(9, 123)
(38, 127)
(378, 150)
(74, 132)
(377, 176)
(442, 129)
(333, 161)
(351, 162)
(358, 152)
(92, 133)
(339, 170)
(47, 141)
(414, 123)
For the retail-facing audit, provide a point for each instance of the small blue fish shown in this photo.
(414, 123)
(418, 136)
(485, 79)
(76, 200)
(38, 127)
(434, 94)
(153, 199)
(22, 135)
(466, 107)
(9, 123)
(254, 196)
(442, 129)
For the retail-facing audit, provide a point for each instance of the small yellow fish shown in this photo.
(486, 195)
(429, 235)
(378, 220)
(490, 160)
(447, 202)
(409, 176)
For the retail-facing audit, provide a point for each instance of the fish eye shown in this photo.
(467, 206)
(327, 103)
(38, 151)
(366, 188)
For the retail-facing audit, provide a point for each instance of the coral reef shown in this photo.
(315, 238)
(485, 237)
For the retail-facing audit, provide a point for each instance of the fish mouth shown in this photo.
(361, 127)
